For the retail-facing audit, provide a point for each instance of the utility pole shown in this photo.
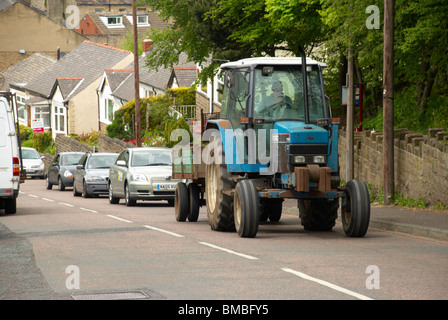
(138, 137)
(349, 133)
(388, 102)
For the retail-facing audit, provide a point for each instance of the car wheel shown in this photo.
(85, 194)
(75, 193)
(61, 184)
(127, 197)
(112, 199)
(49, 185)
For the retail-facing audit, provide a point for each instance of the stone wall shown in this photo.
(421, 162)
(107, 144)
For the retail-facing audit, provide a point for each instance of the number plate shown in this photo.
(166, 186)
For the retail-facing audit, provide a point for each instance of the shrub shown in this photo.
(43, 142)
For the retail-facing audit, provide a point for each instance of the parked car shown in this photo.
(142, 174)
(92, 174)
(62, 168)
(32, 163)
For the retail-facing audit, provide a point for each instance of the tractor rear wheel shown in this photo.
(318, 214)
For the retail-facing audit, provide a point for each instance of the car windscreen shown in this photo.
(70, 159)
(151, 158)
(30, 154)
(101, 161)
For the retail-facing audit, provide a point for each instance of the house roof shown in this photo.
(24, 71)
(160, 79)
(87, 61)
(185, 76)
(104, 2)
(68, 86)
(154, 22)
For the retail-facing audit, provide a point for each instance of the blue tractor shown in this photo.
(275, 139)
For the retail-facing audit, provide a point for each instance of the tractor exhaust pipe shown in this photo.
(305, 84)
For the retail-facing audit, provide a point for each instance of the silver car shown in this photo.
(92, 174)
(142, 174)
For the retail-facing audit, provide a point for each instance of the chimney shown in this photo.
(146, 45)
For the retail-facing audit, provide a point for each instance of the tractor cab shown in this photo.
(277, 100)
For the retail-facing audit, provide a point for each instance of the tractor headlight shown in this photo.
(319, 159)
(299, 159)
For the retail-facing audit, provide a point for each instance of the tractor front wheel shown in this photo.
(355, 209)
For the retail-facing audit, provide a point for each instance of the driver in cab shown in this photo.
(275, 105)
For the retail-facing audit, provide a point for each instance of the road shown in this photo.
(58, 246)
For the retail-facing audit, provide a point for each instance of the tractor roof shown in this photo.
(270, 61)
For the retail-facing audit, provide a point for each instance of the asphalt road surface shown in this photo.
(58, 246)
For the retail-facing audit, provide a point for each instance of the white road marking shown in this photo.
(165, 231)
(49, 200)
(66, 204)
(327, 284)
(229, 251)
(33, 196)
(117, 218)
(85, 209)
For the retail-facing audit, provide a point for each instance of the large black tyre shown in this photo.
(246, 209)
(219, 205)
(272, 209)
(10, 206)
(355, 209)
(193, 201)
(181, 202)
(318, 214)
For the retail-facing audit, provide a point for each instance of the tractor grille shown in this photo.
(304, 149)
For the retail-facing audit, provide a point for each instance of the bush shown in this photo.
(43, 142)
(26, 133)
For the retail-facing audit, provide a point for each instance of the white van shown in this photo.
(9, 155)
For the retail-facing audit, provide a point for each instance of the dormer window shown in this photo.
(114, 21)
(142, 20)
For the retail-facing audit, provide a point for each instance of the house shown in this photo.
(117, 87)
(17, 76)
(25, 30)
(112, 23)
(67, 89)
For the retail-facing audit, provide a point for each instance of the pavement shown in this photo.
(419, 222)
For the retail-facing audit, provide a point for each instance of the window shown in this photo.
(59, 119)
(142, 20)
(42, 113)
(108, 109)
(21, 109)
(114, 21)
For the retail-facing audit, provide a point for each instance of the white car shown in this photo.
(32, 163)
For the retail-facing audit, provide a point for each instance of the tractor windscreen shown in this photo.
(279, 94)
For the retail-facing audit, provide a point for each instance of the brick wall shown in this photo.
(107, 144)
(66, 144)
(421, 162)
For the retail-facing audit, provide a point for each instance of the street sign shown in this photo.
(37, 125)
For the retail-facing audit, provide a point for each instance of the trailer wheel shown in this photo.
(246, 209)
(181, 202)
(318, 214)
(193, 195)
(355, 209)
